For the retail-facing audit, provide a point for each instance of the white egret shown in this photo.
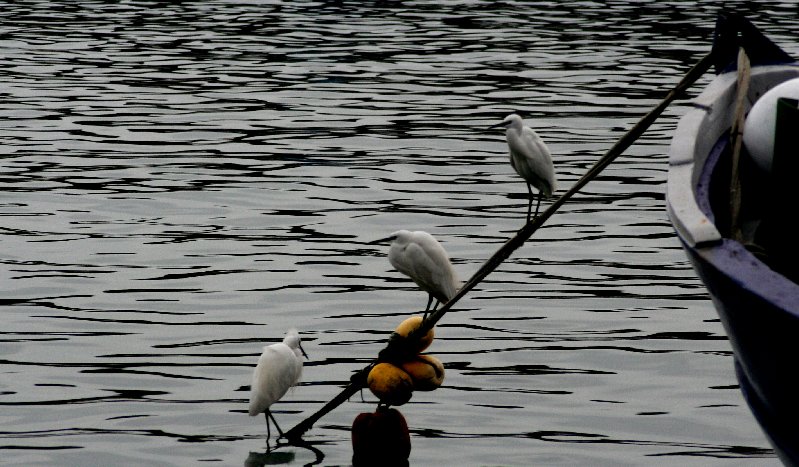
(419, 256)
(279, 368)
(530, 157)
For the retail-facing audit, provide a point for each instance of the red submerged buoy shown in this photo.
(380, 438)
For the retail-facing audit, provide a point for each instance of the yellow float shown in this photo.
(409, 325)
(390, 384)
(426, 372)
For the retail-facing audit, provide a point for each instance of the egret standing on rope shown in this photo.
(530, 157)
(419, 256)
(279, 368)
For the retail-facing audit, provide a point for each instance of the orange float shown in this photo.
(390, 383)
(409, 325)
(426, 372)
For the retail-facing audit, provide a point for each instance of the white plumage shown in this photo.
(419, 256)
(279, 368)
(531, 159)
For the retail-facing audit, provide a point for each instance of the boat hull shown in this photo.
(758, 307)
(765, 341)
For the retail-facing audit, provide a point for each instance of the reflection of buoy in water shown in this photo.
(380, 438)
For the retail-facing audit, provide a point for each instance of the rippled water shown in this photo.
(181, 182)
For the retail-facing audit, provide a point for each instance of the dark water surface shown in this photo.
(183, 181)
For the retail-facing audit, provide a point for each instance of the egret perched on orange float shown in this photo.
(279, 368)
(419, 256)
(531, 159)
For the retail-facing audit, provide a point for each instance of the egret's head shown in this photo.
(292, 340)
(398, 235)
(511, 121)
(402, 236)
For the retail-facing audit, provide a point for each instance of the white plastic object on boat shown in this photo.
(759, 127)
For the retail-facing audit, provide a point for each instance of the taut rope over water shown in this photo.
(395, 344)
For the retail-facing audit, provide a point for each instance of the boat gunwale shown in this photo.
(694, 139)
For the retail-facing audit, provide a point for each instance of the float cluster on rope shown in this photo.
(394, 380)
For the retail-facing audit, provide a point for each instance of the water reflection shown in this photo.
(182, 181)
(278, 455)
(258, 459)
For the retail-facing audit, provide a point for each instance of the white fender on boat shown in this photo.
(759, 126)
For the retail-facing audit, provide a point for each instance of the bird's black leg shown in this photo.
(275, 422)
(530, 202)
(537, 205)
(427, 308)
(435, 307)
(268, 433)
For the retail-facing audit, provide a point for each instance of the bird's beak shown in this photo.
(497, 125)
(303, 351)
(383, 240)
